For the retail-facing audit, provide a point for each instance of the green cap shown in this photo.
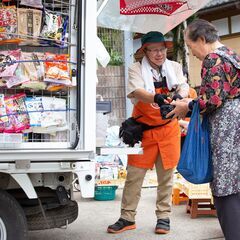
(152, 37)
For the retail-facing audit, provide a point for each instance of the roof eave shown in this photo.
(204, 11)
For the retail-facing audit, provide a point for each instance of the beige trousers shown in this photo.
(132, 191)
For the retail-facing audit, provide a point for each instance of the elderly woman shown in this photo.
(219, 98)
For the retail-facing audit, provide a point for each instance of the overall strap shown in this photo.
(148, 127)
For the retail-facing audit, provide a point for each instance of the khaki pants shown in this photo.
(132, 191)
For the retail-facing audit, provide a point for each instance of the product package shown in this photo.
(34, 68)
(57, 69)
(8, 24)
(32, 3)
(17, 113)
(19, 78)
(3, 113)
(35, 109)
(54, 112)
(29, 22)
(9, 61)
(55, 27)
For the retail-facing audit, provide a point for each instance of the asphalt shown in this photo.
(95, 216)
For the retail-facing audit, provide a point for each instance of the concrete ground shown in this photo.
(95, 216)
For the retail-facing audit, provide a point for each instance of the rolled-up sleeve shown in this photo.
(135, 80)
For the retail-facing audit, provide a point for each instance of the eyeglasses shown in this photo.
(155, 51)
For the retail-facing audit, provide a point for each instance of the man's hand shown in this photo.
(177, 97)
(181, 108)
(161, 99)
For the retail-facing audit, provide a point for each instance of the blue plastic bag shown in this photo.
(195, 163)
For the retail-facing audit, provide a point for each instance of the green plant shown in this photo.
(179, 50)
(116, 58)
(113, 42)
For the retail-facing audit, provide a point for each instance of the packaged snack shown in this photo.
(34, 85)
(17, 113)
(57, 69)
(34, 68)
(29, 22)
(3, 113)
(53, 87)
(54, 112)
(32, 3)
(9, 62)
(35, 109)
(8, 23)
(55, 26)
(19, 77)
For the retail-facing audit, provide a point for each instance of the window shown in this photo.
(235, 21)
(222, 26)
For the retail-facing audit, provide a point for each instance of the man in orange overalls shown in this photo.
(150, 83)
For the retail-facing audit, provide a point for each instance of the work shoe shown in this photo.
(163, 226)
(121, 225)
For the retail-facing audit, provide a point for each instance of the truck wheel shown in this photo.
(13, 224)
(56, 217)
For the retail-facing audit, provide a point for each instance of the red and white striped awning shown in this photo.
(114, 14)
(164, 7)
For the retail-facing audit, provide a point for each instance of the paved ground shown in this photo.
(95, 216)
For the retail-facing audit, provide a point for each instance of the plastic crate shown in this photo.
(104, 106)
(197, 191)
(105, 193)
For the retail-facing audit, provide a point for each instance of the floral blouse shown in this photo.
(220, 79)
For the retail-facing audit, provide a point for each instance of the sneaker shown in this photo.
(121, 225)
(163, 226)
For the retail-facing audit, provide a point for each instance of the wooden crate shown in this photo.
(178, 196)
(197, 207)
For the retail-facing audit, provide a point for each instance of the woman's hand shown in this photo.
(181, 108)
(184, 124)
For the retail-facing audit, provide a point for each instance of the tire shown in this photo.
(56, 217)
(13, 224)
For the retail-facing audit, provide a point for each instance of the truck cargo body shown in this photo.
(47, 113)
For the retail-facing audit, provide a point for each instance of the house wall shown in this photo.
(195, 64)
(111, 86)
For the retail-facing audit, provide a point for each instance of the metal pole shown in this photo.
(128, 60)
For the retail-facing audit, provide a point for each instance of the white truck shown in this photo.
(47, 112)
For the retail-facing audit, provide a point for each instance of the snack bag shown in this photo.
(34, 85)
(3, 113)
(34, 69)
(54, 112)
(57, 69)
(17, 113)
(32, 3)
(54, 87)
(8, 23)
(19, 77)
(9, 62)
(35, 108)
(55, 26)
(29, 22)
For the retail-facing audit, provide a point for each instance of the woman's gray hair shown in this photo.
(202, 29)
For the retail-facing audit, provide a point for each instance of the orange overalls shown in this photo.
(164, 139)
